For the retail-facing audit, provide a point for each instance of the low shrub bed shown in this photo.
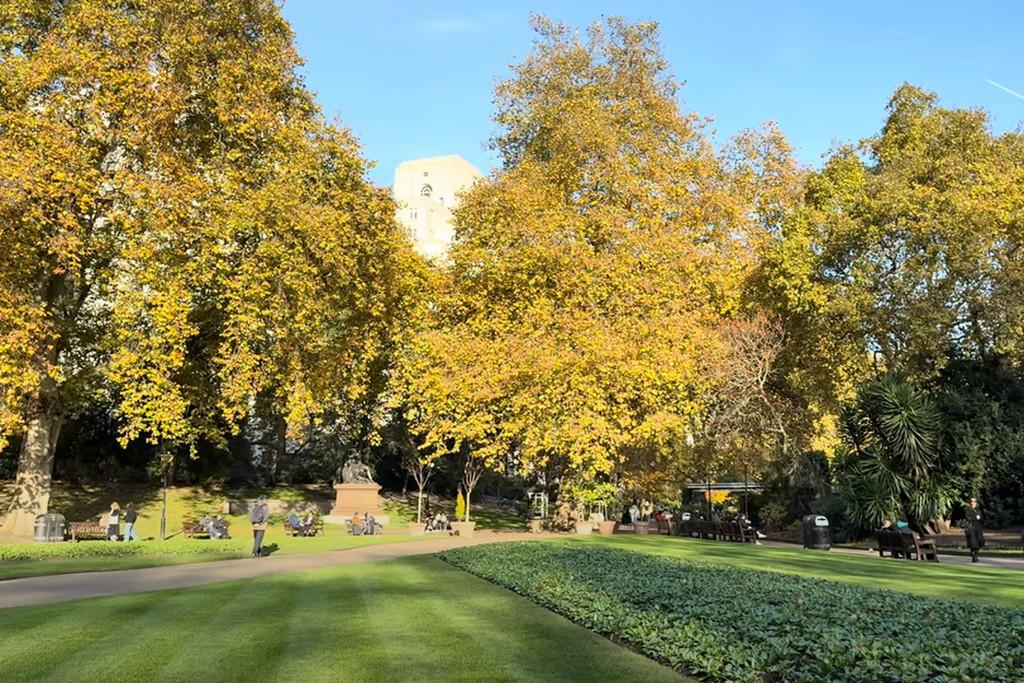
(41, 551)
(728, 624)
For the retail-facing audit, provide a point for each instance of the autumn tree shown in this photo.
(181, 228)
(917, 234)
(588, 277)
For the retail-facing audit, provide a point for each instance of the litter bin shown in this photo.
(817, 533)
(49, 528)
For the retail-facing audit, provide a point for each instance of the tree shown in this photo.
(889, 467)
(916, 234)
(982, 405)
(588, 276)
(182, 230)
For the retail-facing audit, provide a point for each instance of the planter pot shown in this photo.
(464, 529)
(584, 528)
(641, 528)
(607, 528)
(416, 529)
(536, 526)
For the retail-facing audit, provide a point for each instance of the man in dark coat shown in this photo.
(975, 535)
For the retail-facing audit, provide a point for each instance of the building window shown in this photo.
(441, 200)
(426, 190)
(413, 214)
(425, 174)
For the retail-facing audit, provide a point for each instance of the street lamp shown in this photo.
(165, 463)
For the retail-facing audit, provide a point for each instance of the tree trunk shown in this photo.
(419, 506)
(35, 470)
(469, 492)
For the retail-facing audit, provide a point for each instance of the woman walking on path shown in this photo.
(975, 535)
(258, 517)
(114, 522)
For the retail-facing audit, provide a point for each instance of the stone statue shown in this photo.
(355, 471)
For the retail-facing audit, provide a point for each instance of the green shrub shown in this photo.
(745, 626)
(41, 551)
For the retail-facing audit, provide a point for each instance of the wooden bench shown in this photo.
(907, 544)
(79, 531)
(665, 526)
(318, 529)
(719, 531)
(190, 528)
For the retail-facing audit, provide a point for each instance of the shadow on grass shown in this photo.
(343, 623)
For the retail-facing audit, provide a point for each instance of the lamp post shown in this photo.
(165, 464)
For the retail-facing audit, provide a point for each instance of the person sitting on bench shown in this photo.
(358, 525)
(204, 525)
(294, 523)
(218, 528)
(309, 524)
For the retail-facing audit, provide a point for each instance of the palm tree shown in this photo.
(887, 468)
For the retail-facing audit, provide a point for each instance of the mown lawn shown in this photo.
(984, 585)
(157, 553)
(415, 619)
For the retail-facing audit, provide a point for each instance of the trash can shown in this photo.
(50, 528)
(817, 533)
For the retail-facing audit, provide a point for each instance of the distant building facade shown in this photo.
(427, 191)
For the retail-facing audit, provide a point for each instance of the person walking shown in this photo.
(258, 517)
(114, 522)
(130, 516)
(975, 534)
(634, 513)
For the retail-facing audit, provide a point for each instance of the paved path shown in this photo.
(39, 590)
(1002, 560)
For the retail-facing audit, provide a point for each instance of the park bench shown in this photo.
(905, 544)
(317, 530)
(80, 531)
(720, 531)
(191, 528)
(665, 526)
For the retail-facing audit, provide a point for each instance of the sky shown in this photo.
(415, 79)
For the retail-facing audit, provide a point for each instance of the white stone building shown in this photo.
(426, 191)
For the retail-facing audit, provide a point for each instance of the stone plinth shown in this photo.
(353, 498)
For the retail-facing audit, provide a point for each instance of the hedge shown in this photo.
(41, 551)
(727, 624)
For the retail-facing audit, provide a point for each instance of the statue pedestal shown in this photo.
(353, 498)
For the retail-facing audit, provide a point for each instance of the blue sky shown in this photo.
(415, 79)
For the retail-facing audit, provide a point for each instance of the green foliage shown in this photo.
(982, 402)
(736, 625)
(590, 492)
(887, 469)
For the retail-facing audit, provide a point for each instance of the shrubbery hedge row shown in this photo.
(40, 551)
(729, 624)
